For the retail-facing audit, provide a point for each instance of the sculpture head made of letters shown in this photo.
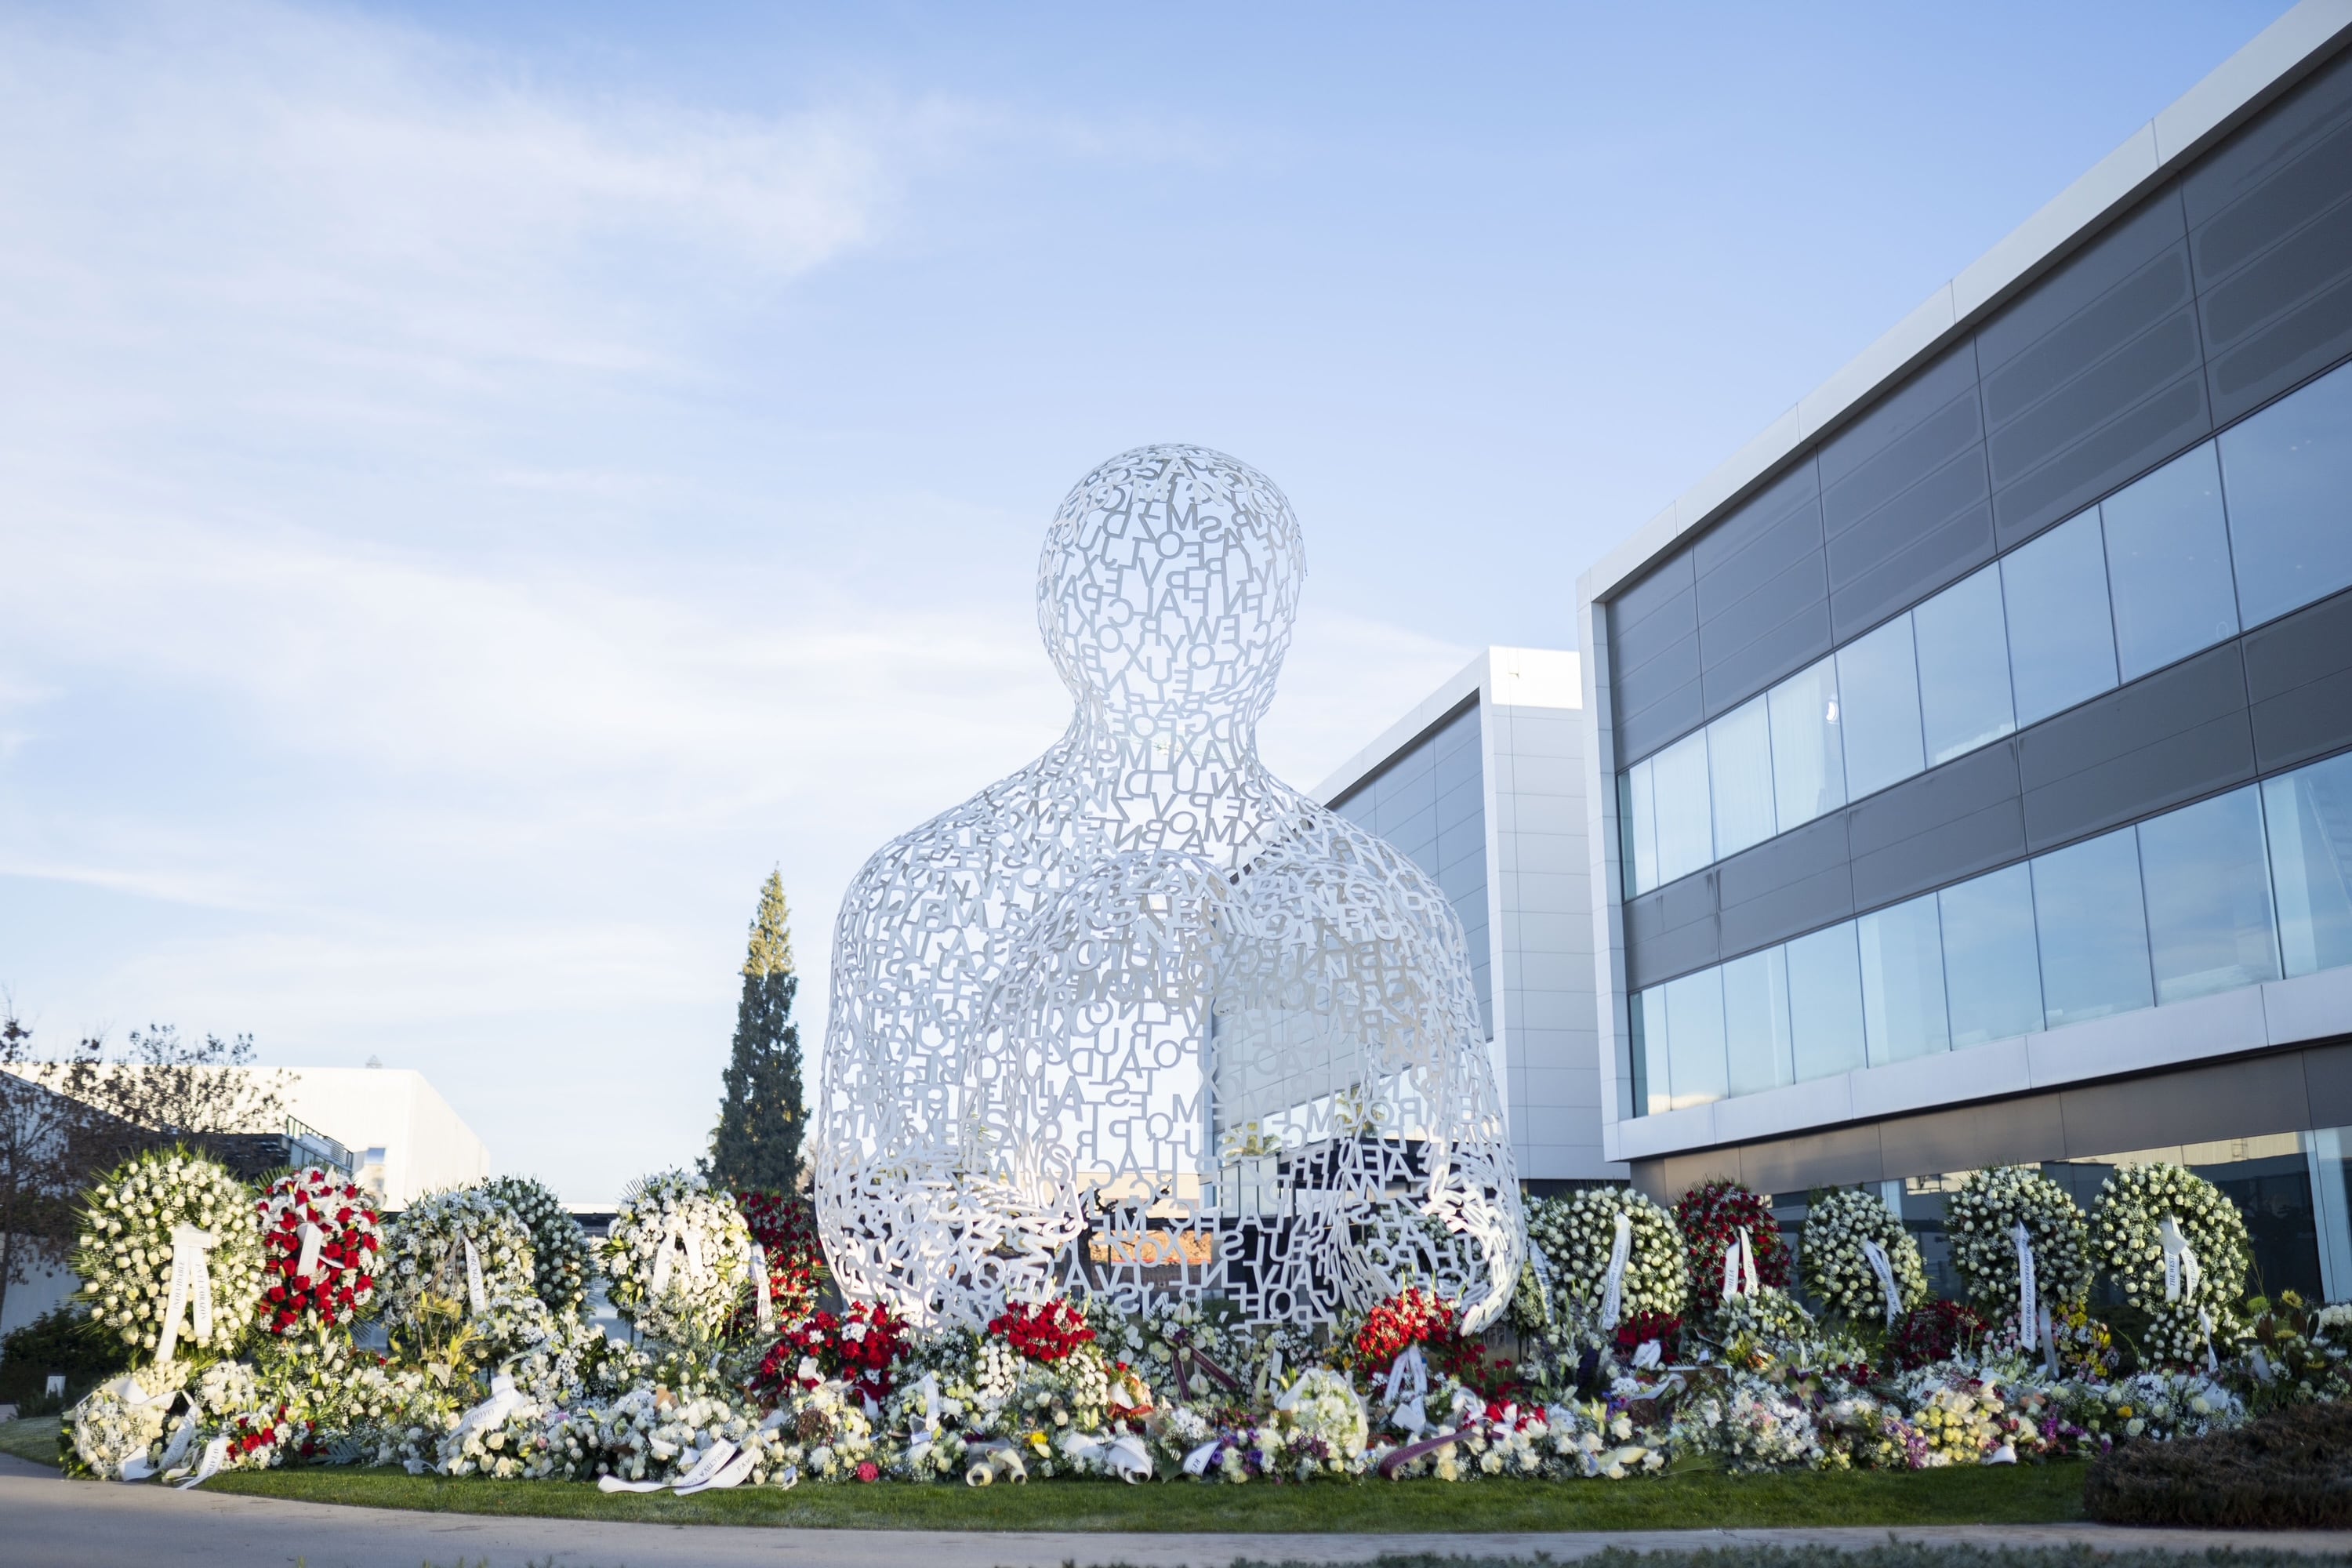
(1140, 1019)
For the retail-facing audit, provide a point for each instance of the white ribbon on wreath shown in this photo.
(190, 1293)
(305, 1266)
(2182, 1275)
(764, 1309)
(2026, 1318)
(491, 1413)
(681, 1241)
(1876, 1256)
(1740, 1265)
(2182, 1272)
(1612, 1284)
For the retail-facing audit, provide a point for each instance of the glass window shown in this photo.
(1991, 971)
(1637, 818)
(1740, 766)
(1825, 1003)
(1647, 1014)
(1903, 982)
(1878, 691)
(2169, 564)
(1756, 1022)
(1963, 666)
(2094, 940)
(1679, 781)
(2289, 470)
(2209, 898)
(1694, 1038)
(1808, 761)
(2309, 813)
(2061, 645)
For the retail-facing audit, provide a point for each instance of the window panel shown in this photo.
(1756, 1022)
(1825, 1002)
(1740, 771)
(2289, 475)
(1647, 1013)
(1903, 982)
(1695, 1038)
(2093, 936)
(2062, 646)
(1963, 666)
(2209, 898)
(1878, 693)
(1638, 819)
(1685, 833)
(2168, 564)
(2309, 816)
(1992, 971)
(1808, 756)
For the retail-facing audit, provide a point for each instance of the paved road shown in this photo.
(45, 1523)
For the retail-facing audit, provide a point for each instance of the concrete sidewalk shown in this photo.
(48, 1522)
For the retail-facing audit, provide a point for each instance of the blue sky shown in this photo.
(480, 484)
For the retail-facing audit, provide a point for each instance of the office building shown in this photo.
(1482, 785)
(1970, 758)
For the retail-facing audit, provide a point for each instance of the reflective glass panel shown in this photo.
(1878, 708)
(1808, 760)
(2168, 564)
(1694, 1038)
(1992, 968)
(1740, 765)
(1903, 982)
(1647, 1016)
(2061, 644)
(1638, 819)
(1678, 783)
(2289, 475)
(2208, 897)
(1756, 1022)
(1963, 666)
(2309, 815)
(1825, 1002)
(2094, 938)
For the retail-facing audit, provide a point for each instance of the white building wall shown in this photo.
(425, 1144)
(1539, 911)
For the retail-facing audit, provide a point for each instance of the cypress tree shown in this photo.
(757, 1144)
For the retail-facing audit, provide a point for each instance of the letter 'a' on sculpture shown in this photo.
(1142, 1020)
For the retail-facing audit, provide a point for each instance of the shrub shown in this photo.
(59, 1340)
(2291, 1469)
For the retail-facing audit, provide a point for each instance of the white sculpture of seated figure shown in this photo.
(1141, 1018)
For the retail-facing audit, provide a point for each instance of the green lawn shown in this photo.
(2025, 1494)
(34, 1439)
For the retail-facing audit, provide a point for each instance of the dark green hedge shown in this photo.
(2291, 1469)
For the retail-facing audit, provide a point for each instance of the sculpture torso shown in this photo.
(1139, 1015)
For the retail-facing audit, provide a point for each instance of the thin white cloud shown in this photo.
(328, 193)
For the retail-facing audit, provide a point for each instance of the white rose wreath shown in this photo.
(170, 1255)
(1835, 1254)
(679, 1258)
(1577, 1235)
(563, 1261)
(2177, 1247)
(464, 1245)
(1981, 1220)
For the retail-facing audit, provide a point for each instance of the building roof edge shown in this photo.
(2270, 64)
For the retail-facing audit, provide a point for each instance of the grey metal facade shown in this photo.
(2227, 287)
